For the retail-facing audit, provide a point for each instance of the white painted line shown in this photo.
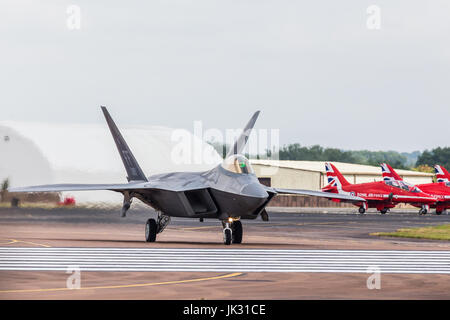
(223, 260)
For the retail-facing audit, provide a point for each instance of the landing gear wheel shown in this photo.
(150, 230)
(438, 212)
(237, 231)
(362, 210)
(383, 211)
(423, 211)
(227, 236)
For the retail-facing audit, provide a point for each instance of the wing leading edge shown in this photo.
(118, 187)
(80, 187)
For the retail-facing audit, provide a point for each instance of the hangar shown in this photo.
(312, 175)
(42, 153)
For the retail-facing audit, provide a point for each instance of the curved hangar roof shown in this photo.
(40, 153)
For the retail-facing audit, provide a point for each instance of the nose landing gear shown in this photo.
(232, 231)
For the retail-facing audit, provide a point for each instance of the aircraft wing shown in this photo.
(118, 187)
(322, 194)
(80, 187)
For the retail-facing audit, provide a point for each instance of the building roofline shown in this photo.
(281, 164)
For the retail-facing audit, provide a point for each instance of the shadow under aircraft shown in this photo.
(230, 192)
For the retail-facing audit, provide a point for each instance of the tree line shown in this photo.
(423, 161)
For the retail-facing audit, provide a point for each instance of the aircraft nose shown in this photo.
(254, 190)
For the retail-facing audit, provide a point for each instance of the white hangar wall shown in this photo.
(39, 153)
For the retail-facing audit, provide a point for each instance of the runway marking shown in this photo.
(230, 275)
(12, 241)
(222, 260)
(9, 241)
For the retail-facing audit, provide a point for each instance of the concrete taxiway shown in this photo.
(293, 256)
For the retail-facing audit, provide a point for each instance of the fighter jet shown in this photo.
(439, 190)
(382, 195)
(229, 192)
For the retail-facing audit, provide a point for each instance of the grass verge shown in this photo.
(441, 232)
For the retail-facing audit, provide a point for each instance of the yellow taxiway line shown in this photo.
(230, 275)
(12, 241)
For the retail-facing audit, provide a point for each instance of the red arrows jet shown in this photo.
(439, 190)
(382, 195)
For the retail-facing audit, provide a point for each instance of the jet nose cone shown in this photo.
(254, 190)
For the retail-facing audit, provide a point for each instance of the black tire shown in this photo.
(423, 211)
(227, 237)
(150, 230)
(237, 231)
(438, 212)
(383, 211)
(362, 210)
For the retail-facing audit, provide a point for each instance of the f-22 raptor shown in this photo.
(229, 192)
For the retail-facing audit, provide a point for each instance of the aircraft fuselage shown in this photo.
(227, 194)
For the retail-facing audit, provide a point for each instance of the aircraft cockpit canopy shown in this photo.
(403, 185)
(237, 163)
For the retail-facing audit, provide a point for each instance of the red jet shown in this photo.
(439, 190)
(382, 195)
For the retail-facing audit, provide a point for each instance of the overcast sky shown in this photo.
(314, 68)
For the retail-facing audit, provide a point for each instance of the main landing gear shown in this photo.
(153, 227)
(424, 209)
(232, 231)
(362, 209)
(384, 210)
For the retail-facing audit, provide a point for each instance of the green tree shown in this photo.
(438, 155)
(317, 153)
(4, 189)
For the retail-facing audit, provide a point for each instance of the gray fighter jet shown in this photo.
(229, 192)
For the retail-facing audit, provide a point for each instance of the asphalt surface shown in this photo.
(307, 255)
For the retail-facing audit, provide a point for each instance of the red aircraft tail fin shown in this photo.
(334, 177)
(442, 174)
(389, 173)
